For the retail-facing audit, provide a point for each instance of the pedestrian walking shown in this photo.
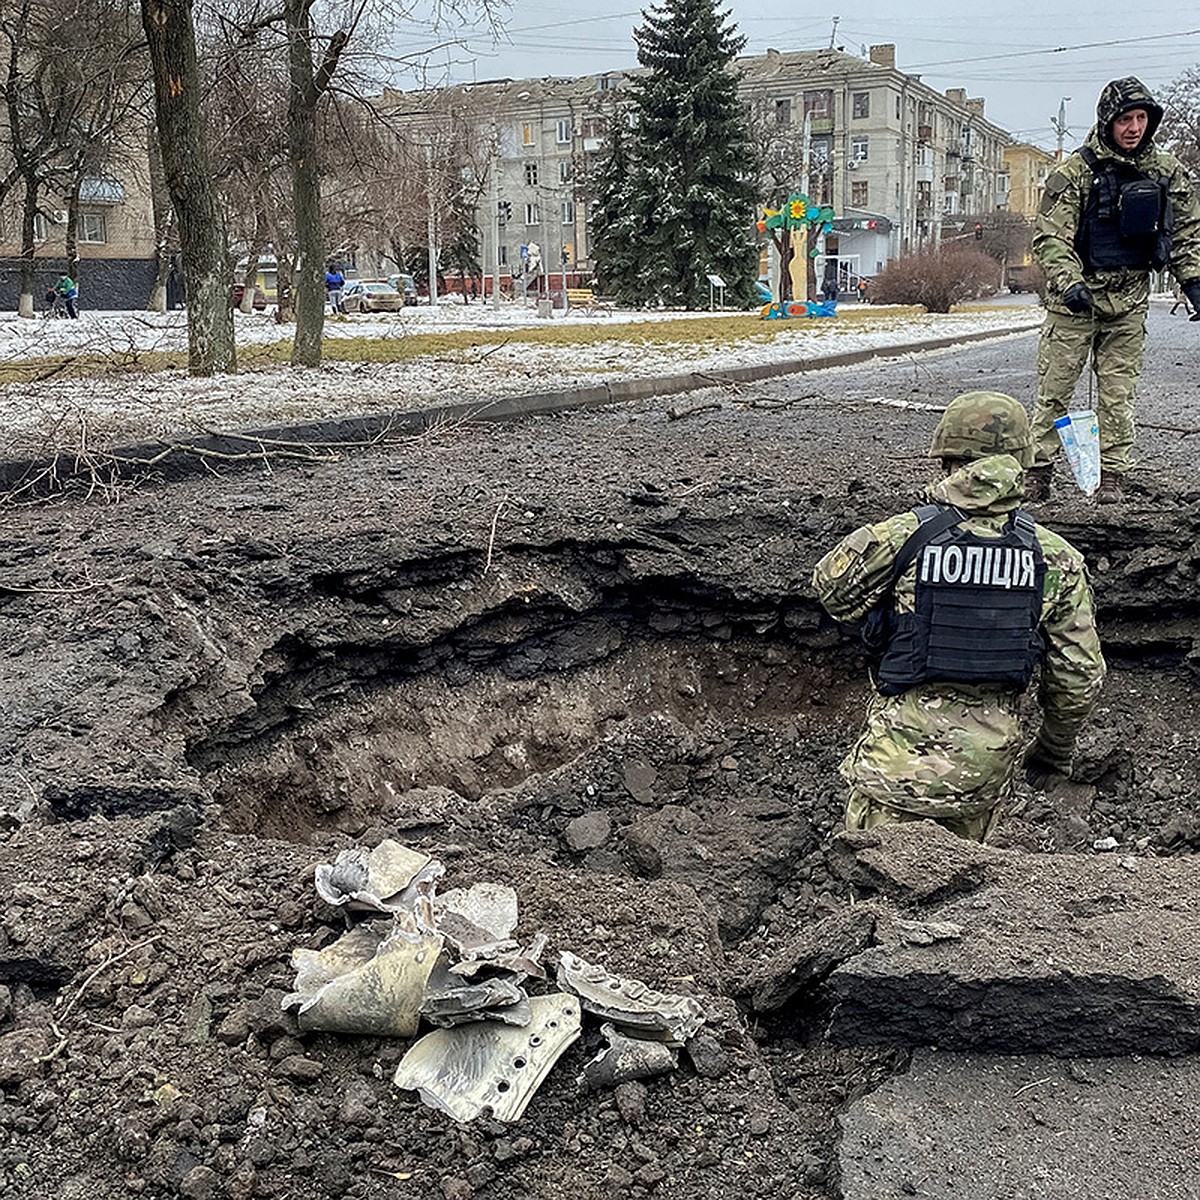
(335, 282)
(1180, 299)
(962, 598)
(1115, 210)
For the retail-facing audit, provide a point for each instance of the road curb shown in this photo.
(191, 455)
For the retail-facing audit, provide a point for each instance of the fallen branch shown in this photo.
(1186, 431)
(677, 412)
(487, 566)
(90, 586)
(111, 960)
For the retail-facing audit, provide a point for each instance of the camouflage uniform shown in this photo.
(1115, 331)
(947, 751)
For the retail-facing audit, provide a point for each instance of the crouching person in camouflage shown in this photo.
(962, 598)
(1113, 211)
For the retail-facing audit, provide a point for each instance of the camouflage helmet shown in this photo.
(977, 424)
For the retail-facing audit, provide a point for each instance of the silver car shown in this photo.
(369, 295)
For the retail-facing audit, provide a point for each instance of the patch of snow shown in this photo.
(135, 407)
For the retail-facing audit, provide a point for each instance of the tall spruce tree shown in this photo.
(682, 206)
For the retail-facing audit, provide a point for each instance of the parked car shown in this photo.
(370, 295)
(406, 285)
(238, 290)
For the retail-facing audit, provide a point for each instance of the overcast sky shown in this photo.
(1021, 55)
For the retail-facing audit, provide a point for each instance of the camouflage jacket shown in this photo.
(948, 750)
(1061, 210)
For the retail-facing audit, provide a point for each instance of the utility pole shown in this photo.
(431, 226)
(833, 31)
(1060, 125)
(494, 196)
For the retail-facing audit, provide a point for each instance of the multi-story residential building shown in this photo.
(1028, 168)
(896, 159)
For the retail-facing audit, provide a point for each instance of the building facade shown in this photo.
(115, 242)
(902, 164)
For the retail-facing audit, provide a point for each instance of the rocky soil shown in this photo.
(578, 655)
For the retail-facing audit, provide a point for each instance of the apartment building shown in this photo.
(1028, 168)
(901, 163)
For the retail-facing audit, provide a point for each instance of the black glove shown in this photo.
(1078, 299)
(1191, 290)
(1042, 769)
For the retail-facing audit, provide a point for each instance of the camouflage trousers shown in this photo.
(1116, 345)
(866, 812)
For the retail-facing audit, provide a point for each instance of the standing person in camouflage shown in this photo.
(1113, 211)
(962, 598)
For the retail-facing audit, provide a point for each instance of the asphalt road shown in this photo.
(1168, 395)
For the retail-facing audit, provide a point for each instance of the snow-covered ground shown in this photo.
(121, 408)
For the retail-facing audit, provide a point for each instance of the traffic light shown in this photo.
(566, 255)
(978, 232)
(505, 211)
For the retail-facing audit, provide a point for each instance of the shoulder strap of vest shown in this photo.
(1025, 527)
(934, 519)
(1089, 156)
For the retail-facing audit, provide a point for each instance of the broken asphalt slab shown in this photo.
(1020, 1128)
(982, 949)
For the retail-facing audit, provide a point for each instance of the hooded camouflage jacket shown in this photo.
(948, 750)
(1119, 290)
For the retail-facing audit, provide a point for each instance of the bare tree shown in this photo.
(1180, 131)
(169, 30)
(316, 56)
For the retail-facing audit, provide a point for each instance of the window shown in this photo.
(859, 147)
(566, 171)
(818, 105)
(859, 193)
(783, 112)
(531, 174)
(563, 133)
(568, 212)
(897, 108)
(532, 216)
(861, 102)
(39, 227)
(527, 133)
(503, 255)
(93, 227)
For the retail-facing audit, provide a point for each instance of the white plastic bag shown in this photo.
(1079, 433)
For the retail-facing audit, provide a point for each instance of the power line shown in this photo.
(1157, 37)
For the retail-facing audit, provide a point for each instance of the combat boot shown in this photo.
(1111, 489)
(1037, 484)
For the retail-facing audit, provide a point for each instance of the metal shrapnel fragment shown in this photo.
(630, 1002)
(386, 879)
(626, 1058)
(371, 980)
(485, 1065)
(452, 1000)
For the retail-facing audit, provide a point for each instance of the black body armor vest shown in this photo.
(978, 607)
(1127, 218)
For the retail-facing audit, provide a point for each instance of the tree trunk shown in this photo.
(25, 306)
(164, 224)
(309, 279)
(250, 279)
(72, 251)
(172, 43)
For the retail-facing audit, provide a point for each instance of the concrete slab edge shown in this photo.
(191, 455)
